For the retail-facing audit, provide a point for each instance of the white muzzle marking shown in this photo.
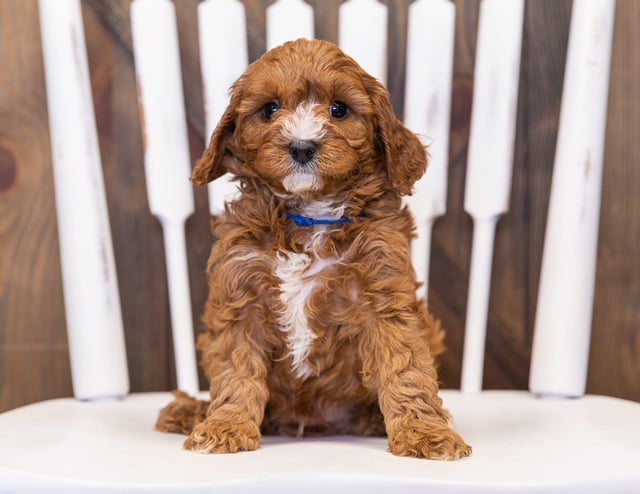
(304, 124)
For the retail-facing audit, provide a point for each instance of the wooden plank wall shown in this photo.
(33, 351)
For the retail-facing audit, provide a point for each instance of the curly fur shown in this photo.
(315, 330)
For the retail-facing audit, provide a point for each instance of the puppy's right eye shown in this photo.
(269, 109)
(337, 109)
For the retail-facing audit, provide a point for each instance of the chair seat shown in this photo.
(519, 443)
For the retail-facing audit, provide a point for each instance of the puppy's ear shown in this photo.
(405, 156)
(211, 164)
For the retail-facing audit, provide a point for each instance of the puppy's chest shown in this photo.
(308, 283)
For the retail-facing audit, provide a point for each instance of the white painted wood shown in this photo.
(421, 255)
(521, 445)
(493, 115)
(167, 162)
(477, 304)
(490, 161)
(92, 301)
(223, 57)
(560, 350)
(288, 20)
(427, 113)
(362, 34)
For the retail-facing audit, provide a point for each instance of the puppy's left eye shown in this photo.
(337, 109)
(269, 109)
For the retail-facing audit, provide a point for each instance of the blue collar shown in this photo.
(306, 221)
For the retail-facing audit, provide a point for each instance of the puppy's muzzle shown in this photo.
(302, 152)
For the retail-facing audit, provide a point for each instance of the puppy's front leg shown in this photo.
(234, 358)
(239, 396)
(398, 363)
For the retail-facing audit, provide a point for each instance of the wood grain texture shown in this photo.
(614, 364)
(33, 351)
(34, 361)
(451, 238)
(520, 233)
(397, 52)
(326, 18)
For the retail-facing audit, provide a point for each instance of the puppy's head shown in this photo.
(305, 119)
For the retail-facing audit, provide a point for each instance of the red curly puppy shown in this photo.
(313, 323)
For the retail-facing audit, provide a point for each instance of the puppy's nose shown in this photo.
(302, 151)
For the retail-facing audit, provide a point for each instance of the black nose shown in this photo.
(302, 151)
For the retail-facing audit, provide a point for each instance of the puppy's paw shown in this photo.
(440, 443)
(216, 436)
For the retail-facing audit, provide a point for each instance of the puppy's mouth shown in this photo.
(302, 179)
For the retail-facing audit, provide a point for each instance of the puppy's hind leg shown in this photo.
(182, 414)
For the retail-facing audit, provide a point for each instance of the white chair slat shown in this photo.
(94, 319)
(288, 20)
(427, 110)
(362, 34)
(560, 349)
(493, 115)
(490, 162)
(167, 162)
(222, 34)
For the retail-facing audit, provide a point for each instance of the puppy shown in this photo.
(313, 326)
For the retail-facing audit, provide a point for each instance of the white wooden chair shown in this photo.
(537, 441)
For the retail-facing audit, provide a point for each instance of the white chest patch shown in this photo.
(297, 281)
